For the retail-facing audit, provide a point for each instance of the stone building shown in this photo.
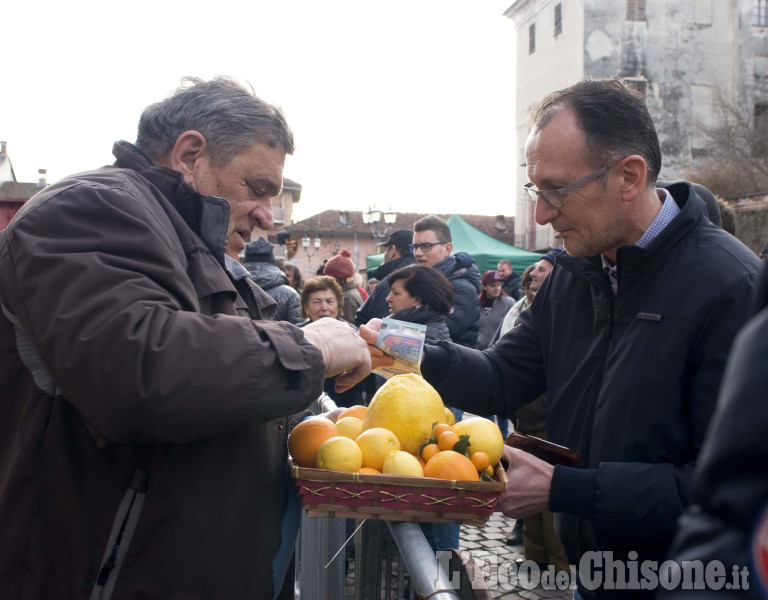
(685, 56)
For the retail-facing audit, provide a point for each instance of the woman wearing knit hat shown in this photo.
(343, 269)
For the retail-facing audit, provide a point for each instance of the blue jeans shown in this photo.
(503, 425)
(577, 596)
(441, 536)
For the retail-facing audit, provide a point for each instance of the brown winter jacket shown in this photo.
(142, 421)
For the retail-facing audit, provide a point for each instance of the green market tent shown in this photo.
(486, 251)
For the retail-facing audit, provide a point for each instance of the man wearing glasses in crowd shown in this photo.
(629, 335)
(432, 246)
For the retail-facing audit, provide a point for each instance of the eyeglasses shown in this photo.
(554, 198)
(425, 246)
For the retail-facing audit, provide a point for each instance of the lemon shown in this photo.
(484, 436)
(375, 445)
(349, 427)
(402, 463)
(408, 406)
(339, 454)
(450, 418)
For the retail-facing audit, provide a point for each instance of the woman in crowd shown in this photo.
(322, 297)
(420, 294)
(293, 274)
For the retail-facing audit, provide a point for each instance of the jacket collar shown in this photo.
(388, 267)
(632, 260)
(207, 216)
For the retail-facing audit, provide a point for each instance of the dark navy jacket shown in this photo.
(632, 379)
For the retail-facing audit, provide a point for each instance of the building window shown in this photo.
(635, 10)
(532, 38)
(559, 19)
(761, 13)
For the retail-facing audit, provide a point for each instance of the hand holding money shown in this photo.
(370, 333)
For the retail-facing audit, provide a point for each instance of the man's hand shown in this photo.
(370, 332)
(530, 480)
(344, 352)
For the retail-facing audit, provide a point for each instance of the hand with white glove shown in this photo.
(344, 352)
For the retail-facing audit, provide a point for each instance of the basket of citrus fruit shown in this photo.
(403, 458)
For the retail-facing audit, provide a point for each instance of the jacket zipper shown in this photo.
(120, 537)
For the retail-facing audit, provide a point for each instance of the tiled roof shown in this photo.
(12, 190)
(339, 222)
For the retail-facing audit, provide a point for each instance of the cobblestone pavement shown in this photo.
(499, 562)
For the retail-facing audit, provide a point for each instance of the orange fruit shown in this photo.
(375, 445)
(307, 437)
(484, 436)
(447, 440)
(349, 427)
(358, 410)
(481, 461)
(422, 462)
(408, 406)
(451, 465)
(429, 451)
(339, 454)
(402, 463)
(368, 471)
(490, 471)
(438, 429)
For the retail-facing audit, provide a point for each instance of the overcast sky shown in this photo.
(391, 103)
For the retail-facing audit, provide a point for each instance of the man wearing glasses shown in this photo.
(629, 336)
(432, 247)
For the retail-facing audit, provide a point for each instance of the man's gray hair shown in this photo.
(229, 116)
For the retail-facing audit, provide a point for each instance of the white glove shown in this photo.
(344, 352)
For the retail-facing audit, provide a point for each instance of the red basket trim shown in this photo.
(400, 497)
(318, 491)
(480, 502)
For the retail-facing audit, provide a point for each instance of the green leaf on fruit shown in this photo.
(462, 446)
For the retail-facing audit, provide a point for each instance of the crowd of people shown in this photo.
(150, 379)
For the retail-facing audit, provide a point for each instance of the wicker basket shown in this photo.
(397, 497)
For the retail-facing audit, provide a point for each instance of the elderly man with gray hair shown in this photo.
(145, 397)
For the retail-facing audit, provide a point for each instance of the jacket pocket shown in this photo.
(119, 541)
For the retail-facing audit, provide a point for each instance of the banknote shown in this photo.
(404, 342)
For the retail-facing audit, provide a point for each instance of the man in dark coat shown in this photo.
(432, 246)
(628, 335)
(264, 272)
(396, 256)
(513, 283)
(145, 395)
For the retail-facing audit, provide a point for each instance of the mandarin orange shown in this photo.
(429, 451)
(451, 465)
(358, 411)
(447, 440)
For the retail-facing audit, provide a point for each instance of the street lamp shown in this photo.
(305, 243)
(374, 218)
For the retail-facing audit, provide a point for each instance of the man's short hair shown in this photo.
(436, 224)
(230, 117)
(506, 263)
(614, 118)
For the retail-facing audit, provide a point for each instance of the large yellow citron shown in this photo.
(484, 436)
(408, 406)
